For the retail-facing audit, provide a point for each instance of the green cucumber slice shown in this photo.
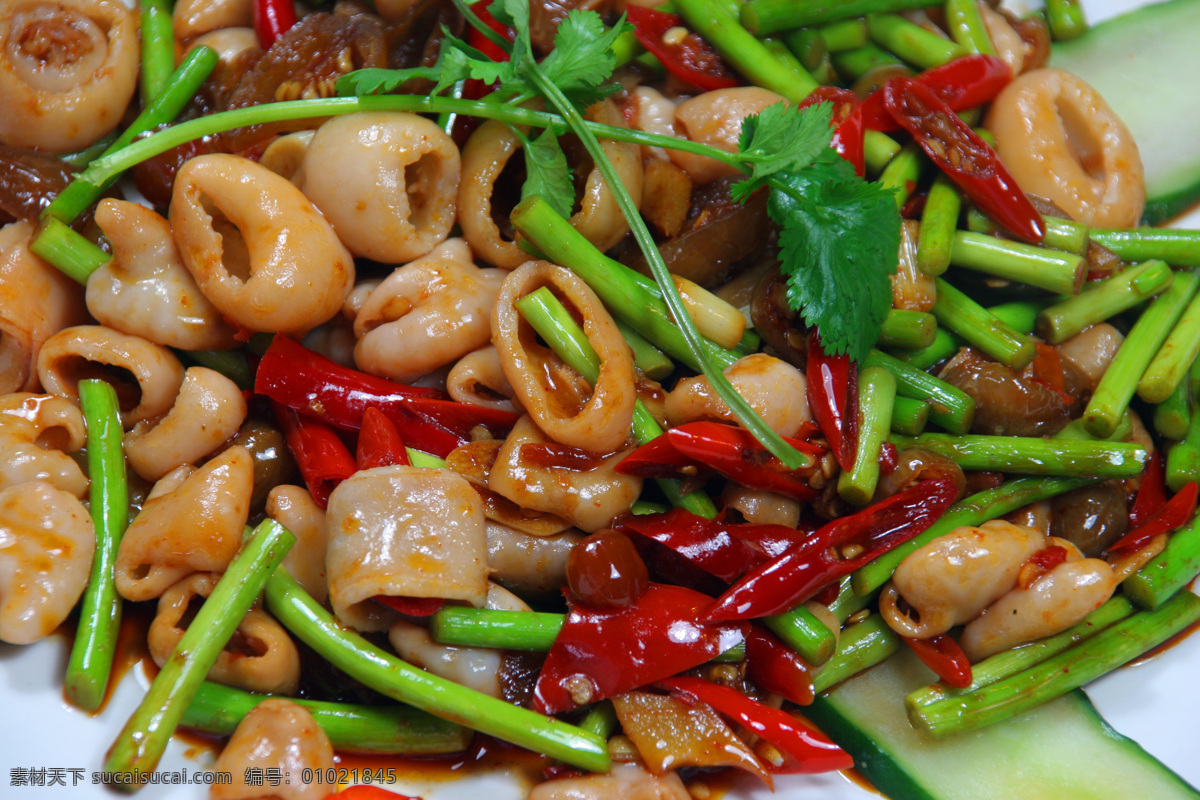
(1144, 64)
(1063, 750)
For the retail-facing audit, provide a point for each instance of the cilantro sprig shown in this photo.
(839, 235)
(781, 139)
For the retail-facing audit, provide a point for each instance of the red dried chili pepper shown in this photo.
(317, 387)
(812, 750)
(847, 120)
(1049, 557)
(889, 459)
(689, 58)
(778, 668)
(1152, 494)
(961, 154)
(725, 550)
(473, 88)
(481, 42)
(363, 791)
(943, 655)
(962, 84)
(727, 449)
(914, 206)
(832, 390)
(323, 459)
(735, 453)
(412, 606)
(379, 443)
(657, 458)
(833, 551)
(272, 19)
(1047, 369)
(1178, 510)
(658, 637)
(1039, 564)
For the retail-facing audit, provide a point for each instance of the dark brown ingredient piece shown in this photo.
(916, 464)
(605, 571)
(1091, 518)
(416, 39)
(29, 180)
(273, 463)
(1036, 36)
(546, 15)
(1006, 404)
(405, 38)
(773, 318)
(305, 62)
(155, 177)
(718, 236)
(518, 676)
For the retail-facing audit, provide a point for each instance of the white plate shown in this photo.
(49, 750)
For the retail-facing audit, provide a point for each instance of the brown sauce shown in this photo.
(551, 455)
(717, 785)
(485, 756)
(130, 648)
(1165, 646)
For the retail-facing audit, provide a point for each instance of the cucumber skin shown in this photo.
(1140, 62)
(871, 760)
(1060, 777)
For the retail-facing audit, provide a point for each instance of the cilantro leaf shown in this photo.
(381, 81)
(583, 56)
(456, 64)
(457, 61)
(839, 238)
(782, 138)
(515, 14)
(547, 173)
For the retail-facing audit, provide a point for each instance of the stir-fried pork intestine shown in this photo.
(953, 578)
(293, 507)
(563, 405)
(477, 667)
(1062, 141)
(36, 301)
(260, 657)
(407, 532)
(1052, 603)
(387, 181)
(774, 388)
(589, 499)
(426, 314)
(278, 735)
(68, 69)
(36, 434)
(94, 351)
(46, 547)
(208, 411)
(145, 290)
(192, 521)
(529, 565)
(260, 251)
(987, 577)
